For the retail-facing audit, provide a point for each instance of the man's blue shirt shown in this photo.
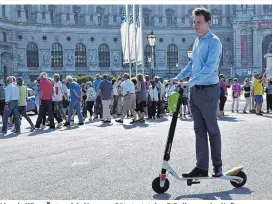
(74, 86)
(96, 85)
(203, 66)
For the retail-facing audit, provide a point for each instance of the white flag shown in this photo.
(139, 36)
(132, 33)
(124, 33)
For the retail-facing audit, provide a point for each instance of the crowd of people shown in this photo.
(139, 98)
(252, 91)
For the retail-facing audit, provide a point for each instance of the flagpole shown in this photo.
(134, 19)
(128, 31)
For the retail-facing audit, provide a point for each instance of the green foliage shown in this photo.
(84, 78)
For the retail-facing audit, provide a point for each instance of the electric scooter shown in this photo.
(161, 184)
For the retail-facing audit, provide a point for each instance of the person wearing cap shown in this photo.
(204, 94)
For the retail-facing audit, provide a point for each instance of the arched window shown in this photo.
(80, 56)
(56, 55)
(147, 55)
(32, 55)
(104, 56)
(172, 55)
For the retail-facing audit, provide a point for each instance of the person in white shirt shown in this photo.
(11, 107)
(129, 98)
(57, 100)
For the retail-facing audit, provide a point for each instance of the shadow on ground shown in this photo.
(223, 195)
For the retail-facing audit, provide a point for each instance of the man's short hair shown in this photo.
(13, 78)
(43, 75)
(57, 77)
(126, 75)
(202, 12)
(97, 76)
(69, 78)
(105, 76)
(9, 80)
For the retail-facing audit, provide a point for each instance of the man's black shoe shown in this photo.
(196, 172)
(66, 124)
(217, 171)
(80, 123)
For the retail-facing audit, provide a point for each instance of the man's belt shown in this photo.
(205, 86)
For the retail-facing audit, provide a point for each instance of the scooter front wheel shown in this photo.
(242, 175)
(156, 186)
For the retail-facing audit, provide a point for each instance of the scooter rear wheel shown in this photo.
(156, 186)
(242, 175)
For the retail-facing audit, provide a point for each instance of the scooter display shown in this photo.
(161, 184)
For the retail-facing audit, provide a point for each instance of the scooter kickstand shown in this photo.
(191, 181)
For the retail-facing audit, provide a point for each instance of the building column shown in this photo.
(7, 10)
(157, 16)
(237, 46)
(224, 19)
(95, 16)
(23, 13)
(71, 14)
(164, 19)
(39, 14)
(179, 16)
(231, 10)
(63, 15)
(255, 46)
(110, 14)
(187, 22)
(87, 16)
(48, 20)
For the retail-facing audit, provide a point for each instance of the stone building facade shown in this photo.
(85, 39)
